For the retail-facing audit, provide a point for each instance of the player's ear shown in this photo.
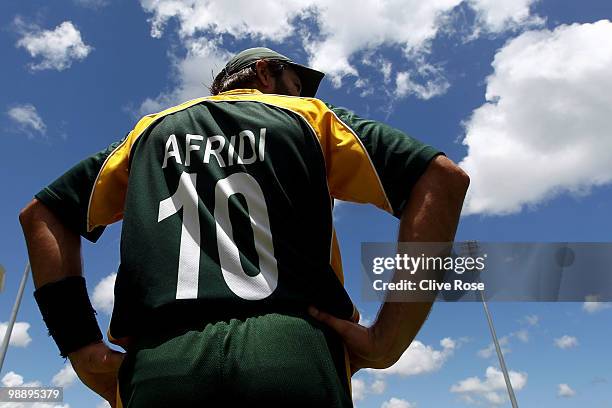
(266, 83)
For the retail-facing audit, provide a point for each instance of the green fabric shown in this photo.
(398, 158)
(273, 359)
(68, 196)
(309, 77)
(292, 177)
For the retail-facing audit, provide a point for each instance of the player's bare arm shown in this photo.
(55, 254)
(54, 250)
(430, 215)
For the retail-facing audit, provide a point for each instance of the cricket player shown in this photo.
(230, 288)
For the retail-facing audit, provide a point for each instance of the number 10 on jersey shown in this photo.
(186, 197)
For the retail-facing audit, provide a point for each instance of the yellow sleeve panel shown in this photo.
(350, 172)
(336, 258)
(108, 195)
(351, 175)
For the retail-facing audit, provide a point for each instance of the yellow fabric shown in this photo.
(351, 176)
(347, 364)
(336, 258)
(108, 195)
(118, 404)
(122, 342)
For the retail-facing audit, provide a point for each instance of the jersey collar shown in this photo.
(240, 92)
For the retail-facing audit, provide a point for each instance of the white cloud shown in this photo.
(397, 403)
(332, 36)
(565, 342)
(499, 15)
(103, 404)
(592, 305)
(385, 68)
(361, 388)
(57, 48)
(27, 119)
(33, 405)
(565, 391)
(12, 379)
(522, 335)
(65, 377)
(488, 351)
(19, 337)
(504, 343)
(192, 74)
(343, 31)
(404, 85)
(492, 389)
(370, 24)
(546, 120)
(420, 359)
(364, 321)
(378, 387)
(531, 320)
(104, 294)
(358, 387)
(240, 18)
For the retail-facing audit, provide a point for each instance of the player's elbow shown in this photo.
(445, 175)
(29, 213)
(460, 180)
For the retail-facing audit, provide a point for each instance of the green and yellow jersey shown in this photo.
(226, 204)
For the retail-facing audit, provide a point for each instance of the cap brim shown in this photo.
(310, 79)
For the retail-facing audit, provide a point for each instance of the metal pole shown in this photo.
(11, 323)
(474, 250)
(2, 272)
(500, 355)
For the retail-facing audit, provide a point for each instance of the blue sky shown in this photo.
(516, 91)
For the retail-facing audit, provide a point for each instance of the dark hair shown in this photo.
(245, 78)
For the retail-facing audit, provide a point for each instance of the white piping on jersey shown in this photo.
(382, 188)
(93, 189)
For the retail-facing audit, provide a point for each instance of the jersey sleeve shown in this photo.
(370, 162)
(91, 195)
(69, 195)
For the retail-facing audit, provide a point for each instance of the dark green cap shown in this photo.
(309, 77)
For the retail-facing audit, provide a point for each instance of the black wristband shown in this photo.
(68, 314)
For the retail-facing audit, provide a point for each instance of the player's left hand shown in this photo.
(365, 346)
(97, 365)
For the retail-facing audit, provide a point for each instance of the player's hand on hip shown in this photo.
(365, 346)
(97, 366)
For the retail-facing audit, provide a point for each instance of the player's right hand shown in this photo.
(366, 348)
(97, 366)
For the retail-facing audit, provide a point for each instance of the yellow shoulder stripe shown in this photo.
(108, 194)
(351, 175)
